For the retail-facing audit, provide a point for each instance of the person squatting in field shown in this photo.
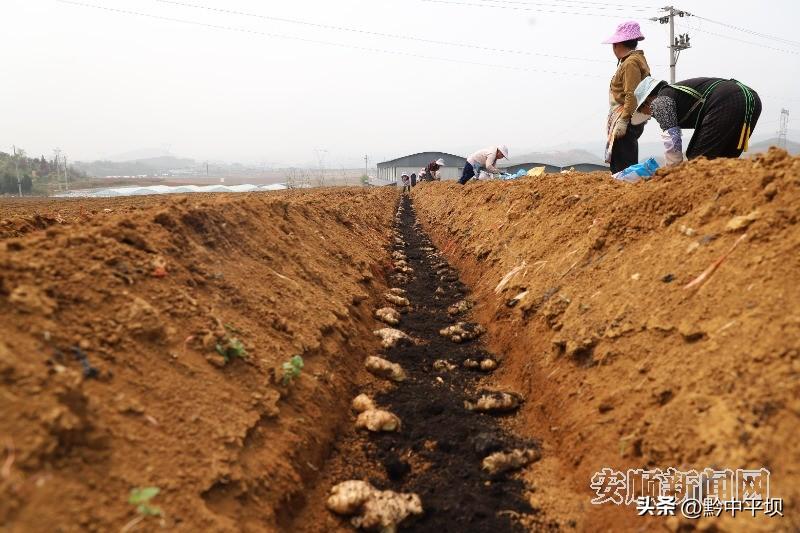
(623, 125)
(486, 160)
(406, 182)
(723, 114)
(431, 170)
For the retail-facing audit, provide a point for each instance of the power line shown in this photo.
(751, 32)
(378, 34)
(519, 8)
(694, 28)
(321, 42)
(583, 2)
(579, 5)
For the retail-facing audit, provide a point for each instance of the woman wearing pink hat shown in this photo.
(623, 128)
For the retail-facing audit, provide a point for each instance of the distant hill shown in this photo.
(139, 167)
(136, 155)
(792, 147)
(556, 158)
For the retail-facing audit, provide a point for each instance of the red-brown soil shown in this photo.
(145, 288)
(110, 310)
(623, 367)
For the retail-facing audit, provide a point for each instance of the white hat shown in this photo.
(440, 162)
(503, 150)
(645, 88)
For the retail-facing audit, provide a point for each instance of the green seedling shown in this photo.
(141, 496)
(291, 369)
(231, 347)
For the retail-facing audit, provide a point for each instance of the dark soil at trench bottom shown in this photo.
(446, 442)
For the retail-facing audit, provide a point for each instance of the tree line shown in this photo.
(32, 175)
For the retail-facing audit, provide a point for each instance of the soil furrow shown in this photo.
(438, 452)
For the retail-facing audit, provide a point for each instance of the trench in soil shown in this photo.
(440, 448)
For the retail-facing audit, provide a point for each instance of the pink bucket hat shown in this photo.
(627, 31)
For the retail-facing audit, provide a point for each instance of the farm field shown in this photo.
(529, 335)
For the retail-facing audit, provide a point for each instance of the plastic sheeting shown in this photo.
(518, 174)
(166, 189)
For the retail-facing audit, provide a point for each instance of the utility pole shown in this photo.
(676, 44)
(16, 167)
(366, 166)
(321, 153)
(66, 172)
(784, 128)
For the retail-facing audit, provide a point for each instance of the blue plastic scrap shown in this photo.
(518, 174)
(638, 172)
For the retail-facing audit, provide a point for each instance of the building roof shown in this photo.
(586, 167)
(423, 158)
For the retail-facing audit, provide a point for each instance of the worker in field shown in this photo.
(623, 125)
(485, 160)
(432, 169)
(406, 182)
(413, 179)
(722, 113)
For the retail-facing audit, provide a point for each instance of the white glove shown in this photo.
(621, 128)
(673, 146)
(673, 158)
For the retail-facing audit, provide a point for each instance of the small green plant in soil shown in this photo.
(230, 348)
(291, 369)
(141, 496)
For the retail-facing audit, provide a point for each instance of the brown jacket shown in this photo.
(632, 69)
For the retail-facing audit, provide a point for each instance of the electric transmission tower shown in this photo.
(784, 128)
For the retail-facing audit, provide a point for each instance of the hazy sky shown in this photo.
(97, 83)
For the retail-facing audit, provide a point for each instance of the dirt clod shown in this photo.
(31, 299)
(741, 222)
